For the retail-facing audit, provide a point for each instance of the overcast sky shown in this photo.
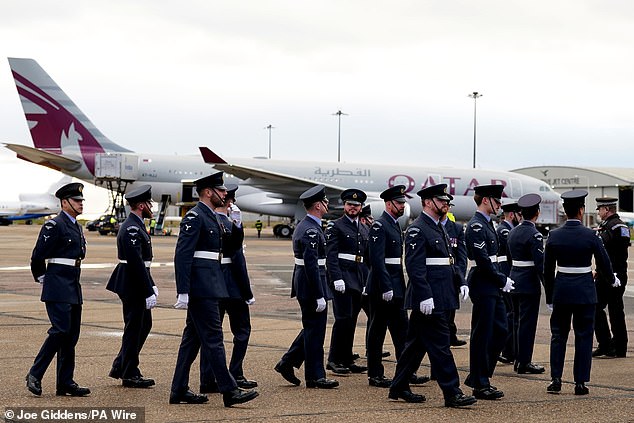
(169, 76)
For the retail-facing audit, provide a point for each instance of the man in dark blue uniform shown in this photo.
(512, 218)
(615, 235)
(525, 252)
(200, 285)
(431, 292)
(386, 285)
(234, 269)
(311, 289)
(571, 293)
(486, 283)
(346, 248)
(55, 263)
(132, 282)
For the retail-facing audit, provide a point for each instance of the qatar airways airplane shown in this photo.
(66, 140)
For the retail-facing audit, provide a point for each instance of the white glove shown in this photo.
(40, 279)
(387, 296)
(363, 292)
(340, 286)
(464, 292)
(155, 288)
(549, 307)
(236, 215)
(509, 285)
(150, 302)
(251, 301)
(321, 305)
(427, 306)
(181, 301)
(617, 282)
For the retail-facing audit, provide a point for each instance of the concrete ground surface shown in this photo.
(275, 322)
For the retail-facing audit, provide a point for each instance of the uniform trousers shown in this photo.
(137, 325)
(488, 335)
(384, 315)
(512, 319)
(525, 319)
(428, 334)
(582, 316)
(308, 346)
(346, 307)
(61, 340)
(203, 331)
(612, 298)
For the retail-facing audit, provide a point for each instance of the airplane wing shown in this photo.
(279, 185)
(44, 158)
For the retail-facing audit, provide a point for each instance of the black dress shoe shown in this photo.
(355, 368)
(287, 373)
(418, 380)
(406, 395)
(531, 368)
(603, 351)
(581, 389)
(555, 386)
(505, 360)
(138, 382)
(380, 381)
(337, 368)
(238, 396)
(211, 388)
(115, 373)
(187, 397)
(322, 383)
(488, 393)
(460, 400)
(73, 390)
(457, 343)
(245, 383)
(355, 356)
(33, 384)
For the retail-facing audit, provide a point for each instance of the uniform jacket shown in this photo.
(484, 279)
(132, 279)
(525, 243)
(616, 238)
(386, 241)
(346, 237)
(309, 279)
(235, 273)
(424, 240)
(455, 232)
(503, 230)
(59, 238)
(573, 245)
(199, 277)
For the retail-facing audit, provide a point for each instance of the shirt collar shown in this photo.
(72, 219)
(315, 218)
(434, 220)
(486, 216)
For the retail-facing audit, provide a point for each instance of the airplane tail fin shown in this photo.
(57, 125)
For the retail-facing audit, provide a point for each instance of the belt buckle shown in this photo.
(358, 259)
(78, 262)
(220, 256)
(451, 261)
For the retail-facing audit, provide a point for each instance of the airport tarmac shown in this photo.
(275, 321)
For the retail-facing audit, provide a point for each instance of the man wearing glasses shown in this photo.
(132, 282)
(486, 284)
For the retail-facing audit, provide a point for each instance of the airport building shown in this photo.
(598, 181)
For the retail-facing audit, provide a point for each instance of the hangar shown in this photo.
(598, 181)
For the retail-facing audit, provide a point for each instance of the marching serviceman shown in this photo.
(486, 284)
(56, 264)
(571, 293)
(616, 238)
(312, 292)
(525, 252)
(431, 292)
(132, 282)
(200, 285)
(346, 247)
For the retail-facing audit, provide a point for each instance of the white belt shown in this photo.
(300, 262)
(350, 257)
(209, 255)
(226, 260)
(523, 263)
(392, 260)
(147, 263)
(576, 270)
(501, 258)
(494, 259)
(65, 261)
(438, 261)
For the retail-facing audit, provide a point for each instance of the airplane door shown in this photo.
(516, 188)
